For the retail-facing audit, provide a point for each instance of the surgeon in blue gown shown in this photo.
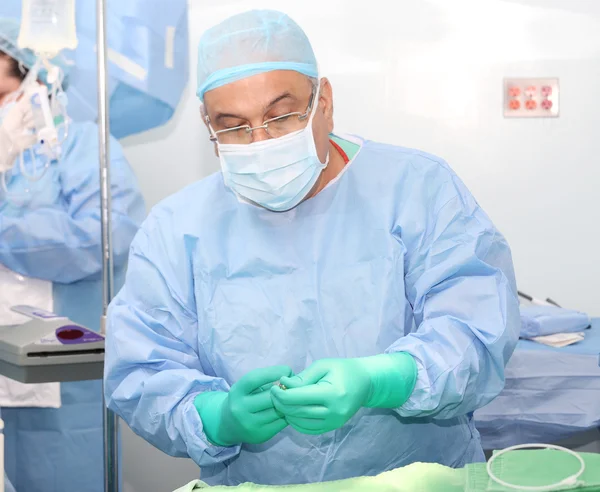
(324, 307)
(50, 230)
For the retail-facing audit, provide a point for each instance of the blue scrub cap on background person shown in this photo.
(9, 33)
(251, 43)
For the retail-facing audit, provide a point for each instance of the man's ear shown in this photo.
(205, 120)
(326, 102)
(204, 115)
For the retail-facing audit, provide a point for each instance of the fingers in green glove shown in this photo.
(266, 417)
(273, 429)
(257, 402)
(246, 414)
(255, 380)
(316, 394)
(311, 375)
(302, 411)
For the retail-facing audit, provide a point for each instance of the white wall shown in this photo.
(428, 74)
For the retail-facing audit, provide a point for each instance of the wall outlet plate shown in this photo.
(531, 98)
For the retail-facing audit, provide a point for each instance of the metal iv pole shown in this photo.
(111, 424)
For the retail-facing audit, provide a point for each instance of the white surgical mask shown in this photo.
(278, 173)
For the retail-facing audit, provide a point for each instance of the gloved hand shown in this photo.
(16, 132)
(245, 414)
(327, 394)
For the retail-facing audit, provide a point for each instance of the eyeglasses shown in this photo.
(274, 127)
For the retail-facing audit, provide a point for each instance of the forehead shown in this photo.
(5, 63)
(6, 74)
(255, 93)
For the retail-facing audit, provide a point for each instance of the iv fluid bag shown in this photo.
(48, 26)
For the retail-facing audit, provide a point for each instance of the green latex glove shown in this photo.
(245, 414)
(327, 394)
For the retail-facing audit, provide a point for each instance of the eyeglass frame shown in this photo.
(265, 126)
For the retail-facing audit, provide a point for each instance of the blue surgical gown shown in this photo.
(394, 255)
(53, 233)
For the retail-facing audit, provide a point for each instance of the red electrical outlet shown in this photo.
(530, 97)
